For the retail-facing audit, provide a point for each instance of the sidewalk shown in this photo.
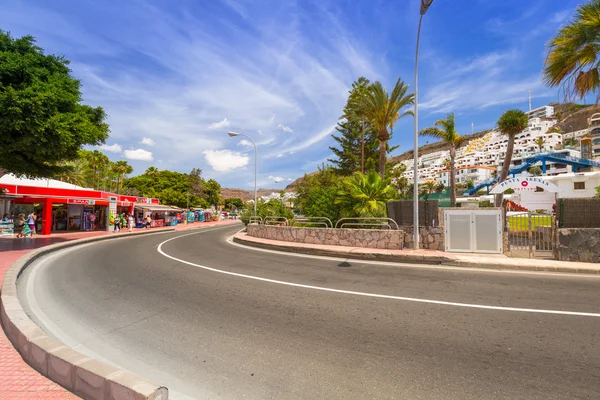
(17, 379)
(464, 260)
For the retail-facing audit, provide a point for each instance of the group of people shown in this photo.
(122, 221)
(23, 226)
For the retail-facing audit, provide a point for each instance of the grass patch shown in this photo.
(518, 223)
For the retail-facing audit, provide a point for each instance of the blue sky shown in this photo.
(175, 76)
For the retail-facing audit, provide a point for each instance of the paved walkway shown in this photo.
(488, 261)
(17, 379)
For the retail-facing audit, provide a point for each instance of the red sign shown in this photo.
(81, 201)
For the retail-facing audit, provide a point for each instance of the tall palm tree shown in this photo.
(153, 174)
(428, 188)
(540, 142)
(574, 55)
(121, 169)
(364, 195)
(444, 130)
(510, 123)
(382, 110)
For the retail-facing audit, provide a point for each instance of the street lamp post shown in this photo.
(424, 6)
(233, 134)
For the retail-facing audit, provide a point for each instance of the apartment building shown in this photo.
(475, 173)
(489, 151)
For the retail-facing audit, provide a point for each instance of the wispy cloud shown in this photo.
(113, 148)
(138, 155)
(220, 125)
(285, 128)
(225, 160)
(276, 179)
(148, 141)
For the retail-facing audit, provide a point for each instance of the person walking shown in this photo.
(117, 223)
(130, 222)
(19, 225)
(148, 221)
(31, 222)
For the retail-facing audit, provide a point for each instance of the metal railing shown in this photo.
(368, 222)
(274, 220)
(255, 220)
(315, 221)
(384, 226)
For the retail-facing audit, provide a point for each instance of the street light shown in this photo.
(234, 134)
(424, 6)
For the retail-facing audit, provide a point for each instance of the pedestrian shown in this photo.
(148, 221)
(117, 223)
(19, 225)
(31, 222)
(130, 222)
(123, 221)
(5, 217)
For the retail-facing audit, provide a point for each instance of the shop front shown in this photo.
(161, 215)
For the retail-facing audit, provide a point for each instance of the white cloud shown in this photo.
(279, 155)
(220, 125)
(285, 128)
(113, 148)
(138, 155)
(225, 160)
(260, 132)
(276, 179)
(245, 142)
(148, 141)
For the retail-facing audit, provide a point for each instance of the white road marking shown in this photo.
(375, 295)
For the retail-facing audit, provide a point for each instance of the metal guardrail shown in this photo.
(365, 224)
(321, 221)
(376, 222)
(255, 220)
(274, 220)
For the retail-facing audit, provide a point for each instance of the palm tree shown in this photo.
(153, 174)
(364, 195)
(96, 161)
(428, 188)
(444, 130)
(382, 110)
(540, 142)
(573, 55)
(510, 123)
(355, 110)
(121, 169)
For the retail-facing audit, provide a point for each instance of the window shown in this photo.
(539, 189)
(474, 171)
(579, 185)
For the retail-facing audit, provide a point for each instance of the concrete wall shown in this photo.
(370, 238)
(579, 244)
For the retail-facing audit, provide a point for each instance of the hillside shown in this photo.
(244, 194)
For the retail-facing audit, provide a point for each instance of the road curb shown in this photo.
(434, 259)
(85, 376)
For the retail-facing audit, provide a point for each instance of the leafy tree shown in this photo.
(470, 183)
(349, 155)
(444, 130)
(271, 208)
(535, 171)
(573, 55)
(213, 192)
(382, 110)
(355, 112)
(597, 191)
(233, 203)
(121, 169)
(195, 182)
(42, 120)
(428, 188)
(316, 194)
(364, 195)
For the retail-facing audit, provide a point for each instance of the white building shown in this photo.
(541, 112)
(475, 173)
(571, 185)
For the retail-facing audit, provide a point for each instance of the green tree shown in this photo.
(382, 110)
(195, 182)
(540, 142)
(428, 188)
(42, 120)
(535, 171)
(356, 112)
(153, 173)
(350, 151)
(364, 195)
(233, 203)
(316, 194)
(510, 123)
(213, 192)
(445, 130)
(121, 169)
(597, 191)
(573, 55)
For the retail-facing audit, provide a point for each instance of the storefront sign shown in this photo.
(524, 184)
(81, 201)
(144, 200)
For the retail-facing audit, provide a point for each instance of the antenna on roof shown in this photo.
(529, 91)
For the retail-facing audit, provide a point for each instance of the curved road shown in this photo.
(212, 335)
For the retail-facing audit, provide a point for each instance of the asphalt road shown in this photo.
(211, 335)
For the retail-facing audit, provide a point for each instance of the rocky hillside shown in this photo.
(244, 194)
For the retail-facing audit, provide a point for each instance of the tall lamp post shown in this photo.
(424, 6)
(234, 134)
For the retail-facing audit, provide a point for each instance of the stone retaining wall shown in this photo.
(431, 238)
(370, 238)
(579, 244)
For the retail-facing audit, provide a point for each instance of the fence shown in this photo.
(579, 213)
(401, 211)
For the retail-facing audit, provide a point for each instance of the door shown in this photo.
(473, 231)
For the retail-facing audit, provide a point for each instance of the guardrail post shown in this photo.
(530, 236)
